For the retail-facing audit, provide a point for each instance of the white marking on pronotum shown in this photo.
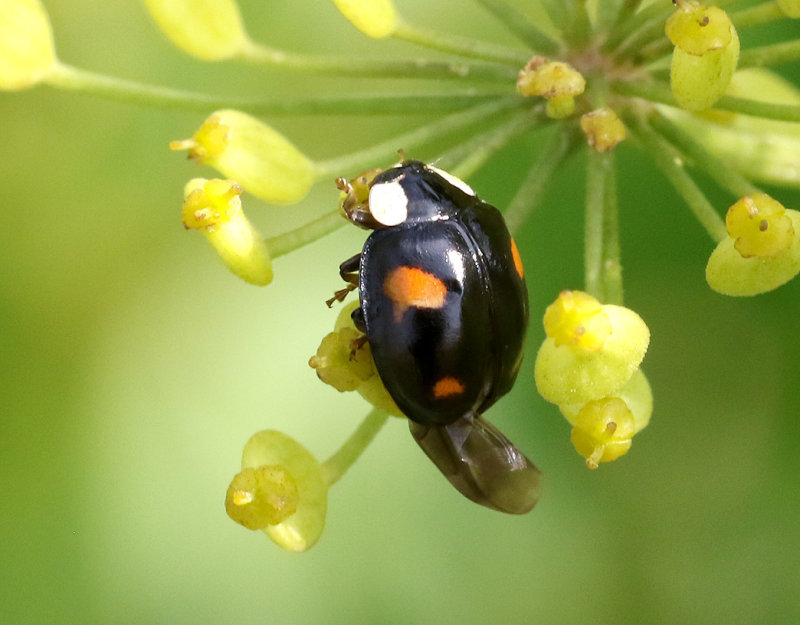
(456, 182)
(388, 203)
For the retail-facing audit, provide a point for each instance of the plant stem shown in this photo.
(472, 155)
(411, 141)
(650, 32)
(603, 271)
(648, 19)
(532, 189)
(755, 15)
(773, 54)
(660, 92)
(110, 87)
(612, 264)
(461, 46)
(626, 11)
(521, 26)
(756, 108)
(258, 54)
(307, 233)
(580, 28)
(670, 162)
(593, 224)
(691, 150)
(336, 466)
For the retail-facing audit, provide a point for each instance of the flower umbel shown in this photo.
(672, 80)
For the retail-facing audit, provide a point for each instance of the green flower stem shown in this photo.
(336, 466)
(755, 15)
(521, 26)
(109, 87)
(258, 54)
(657, 50)
(580, 27)
(305, 234)
(612, 264)
(474, 153)
(460, 46)
(411, 141)
(558, 12)
(603, 270)
(661, 93)
(756, 108)
(669, 161)
(650, 20)
(596, 172)
(532, 189)
(650, 32)
(693, 151)
(627, 10)
(774, 54)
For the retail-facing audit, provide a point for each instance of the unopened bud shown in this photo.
(210, 30)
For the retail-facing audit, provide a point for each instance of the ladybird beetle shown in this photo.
(444, 307)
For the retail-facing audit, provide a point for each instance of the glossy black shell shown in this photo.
(476, 335)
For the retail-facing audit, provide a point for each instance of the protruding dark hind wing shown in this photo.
(481, 463)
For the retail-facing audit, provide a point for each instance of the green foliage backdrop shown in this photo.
(134, 367)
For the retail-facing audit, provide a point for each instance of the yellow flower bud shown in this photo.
(790, 7)
(259, 158)
(568, 373)
(637, 397)
(261, 496)
(603, 129)
(215, 208)
(558, 82)
(730, 273)
(760, 226)
(207, 29)
(603, 431)
(27, 53)
(705, 55)
(341, 362)
(347, 365)
(374, 18)
(276, 451)
(577, 319)
(697, 29)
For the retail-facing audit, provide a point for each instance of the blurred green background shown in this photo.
(134, 368)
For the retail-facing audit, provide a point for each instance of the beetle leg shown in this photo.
(358, 320)
(348, 270)
(338, 296)
(355, 345)
(481, 463)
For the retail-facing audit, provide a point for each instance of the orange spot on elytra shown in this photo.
(410, 286)
(446, 387)
(517, 260)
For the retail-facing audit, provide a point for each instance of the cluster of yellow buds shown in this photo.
(589, 366)
(254, 158)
